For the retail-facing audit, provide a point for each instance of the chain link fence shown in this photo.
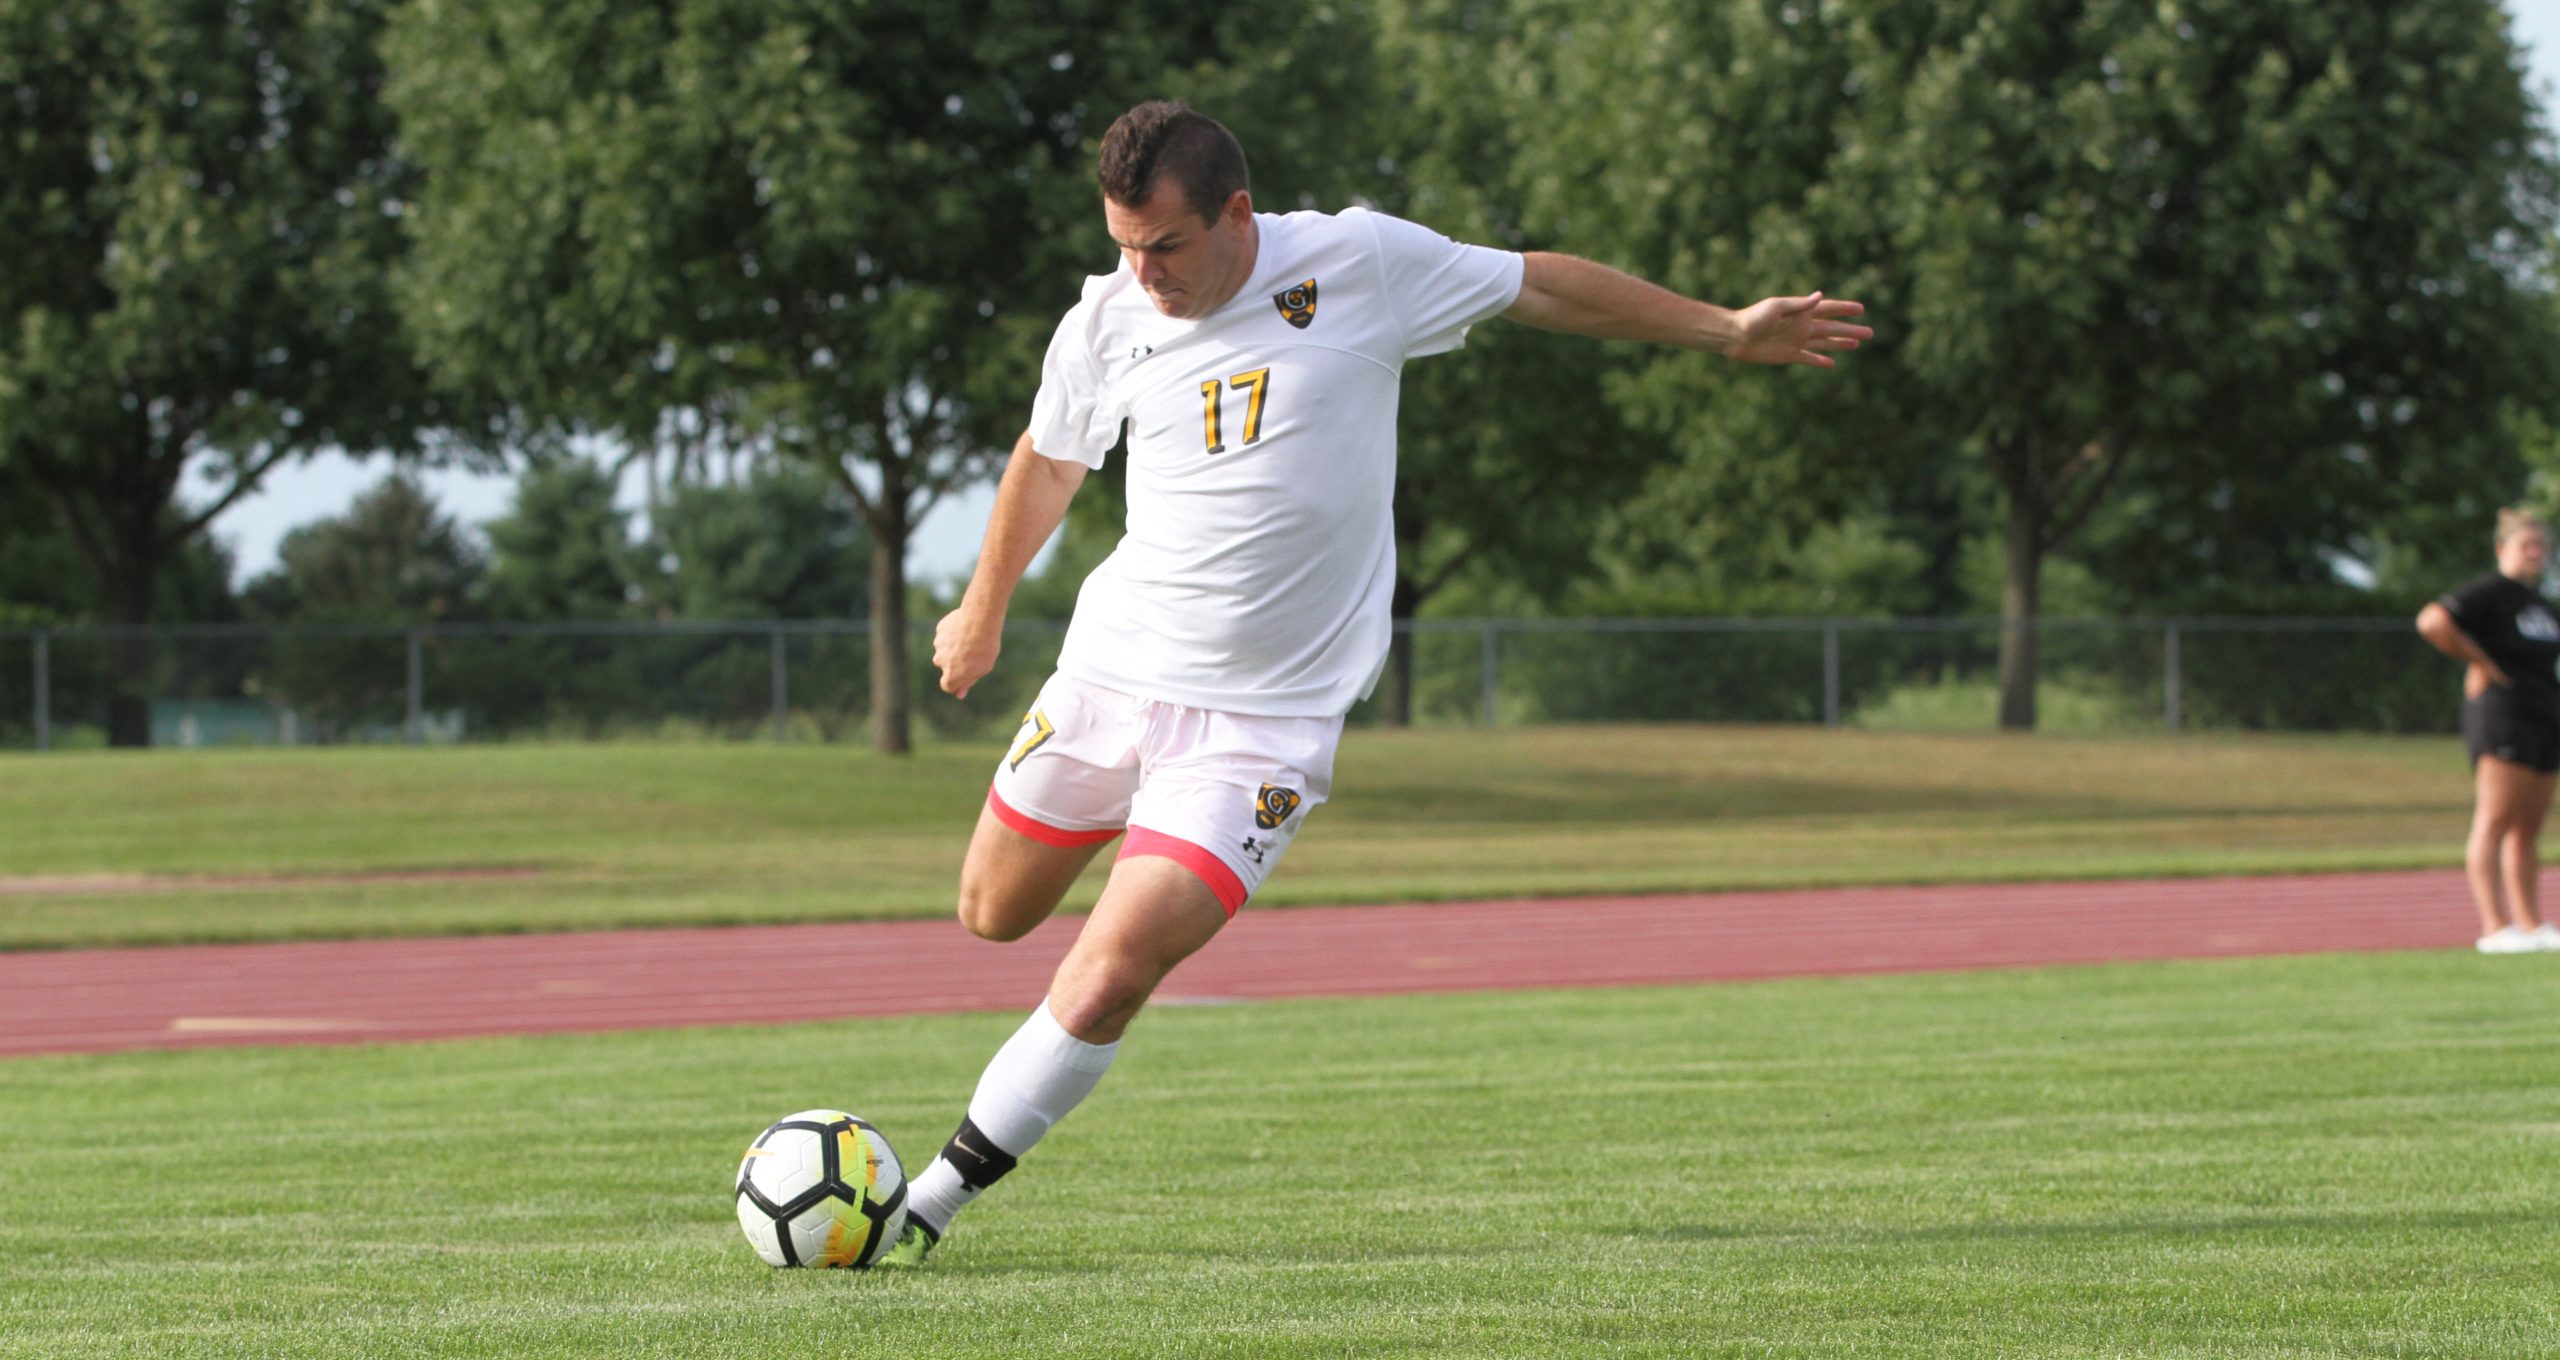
(222, 685)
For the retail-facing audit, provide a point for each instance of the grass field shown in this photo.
(2324, 1156)
(699, 834)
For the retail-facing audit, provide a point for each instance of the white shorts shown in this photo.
(1222, 794)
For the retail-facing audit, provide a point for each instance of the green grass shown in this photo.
(704, 834)
(1956, 704)
(2329, 1156)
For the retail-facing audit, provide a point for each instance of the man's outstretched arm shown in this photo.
(1030, 502)
(1562, 293)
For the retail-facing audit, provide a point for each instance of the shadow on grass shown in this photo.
(2198, 1226)
(1637, 800)
(1642, 800)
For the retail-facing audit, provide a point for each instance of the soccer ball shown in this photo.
(821, 1188)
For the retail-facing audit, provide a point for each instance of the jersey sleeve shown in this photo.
(1439, 287)
(2471, 603)
(1069, 419)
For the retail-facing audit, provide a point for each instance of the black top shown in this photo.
(2516, 628)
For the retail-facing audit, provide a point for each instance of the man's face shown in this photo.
(1188, 267)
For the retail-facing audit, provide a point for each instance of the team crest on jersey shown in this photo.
(1297, 304)
(1274, 806)
(2537, 624)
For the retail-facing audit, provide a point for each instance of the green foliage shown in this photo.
(2274, 266)
(783, 544)
(1856, 566)
(199, 211)
(838, 230)
(44, 582)
(563, 550)
(393, 557)
(41, 575)
(199, 214)
(1507, 452)
(1955, 703)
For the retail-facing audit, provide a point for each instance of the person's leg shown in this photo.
(2492, 808)
(2520, 856)
(1224, 799)
(1010, 882)
(1058, 797)
(1154, 913)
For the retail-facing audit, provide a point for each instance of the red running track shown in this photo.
(362, 991)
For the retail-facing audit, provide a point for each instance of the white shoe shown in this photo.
(2508, 940)
(2545, 938)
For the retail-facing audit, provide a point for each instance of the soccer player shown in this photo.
(2504, 633)
(1254, 361)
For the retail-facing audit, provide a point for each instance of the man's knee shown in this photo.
(1099, 993)
(1098, 1005)
(993, 916)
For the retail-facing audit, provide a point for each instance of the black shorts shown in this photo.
(2491, 726)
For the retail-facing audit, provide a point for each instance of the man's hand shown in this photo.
(1030, 502)
(2477, 680)
(1798, 330)
(965, 644)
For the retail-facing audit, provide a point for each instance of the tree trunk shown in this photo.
(1395, 688)
(128, 699)
(129, 571)
(889, 732)
(2019, 599)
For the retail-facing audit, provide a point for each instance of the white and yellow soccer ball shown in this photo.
(821, 1188)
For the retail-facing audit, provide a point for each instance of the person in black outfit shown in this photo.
(2508, 637)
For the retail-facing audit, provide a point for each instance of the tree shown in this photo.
(1508, 452)
(392, 558)
(563, 550)
(199, 207)
(2278, 266)
(836, 231)
(785, 544)
(41, 576)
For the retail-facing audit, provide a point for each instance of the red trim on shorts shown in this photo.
(1041, 831)
(1211, 869)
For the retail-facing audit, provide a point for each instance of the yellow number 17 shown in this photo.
(1255, 384)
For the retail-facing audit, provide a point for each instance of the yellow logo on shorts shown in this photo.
(1036, 731)
(1275, 806)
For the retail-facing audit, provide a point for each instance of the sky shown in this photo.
(946, 543)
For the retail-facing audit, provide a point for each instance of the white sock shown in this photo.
(1041, 1073)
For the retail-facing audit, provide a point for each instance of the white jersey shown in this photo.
(1258, 565)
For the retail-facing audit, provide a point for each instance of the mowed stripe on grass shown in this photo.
(380, 990)
(217, 847)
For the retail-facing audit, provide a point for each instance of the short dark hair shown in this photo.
(1165, 137)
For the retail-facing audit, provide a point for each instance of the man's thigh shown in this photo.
(1152, 916)
(1226, 797)
(1010, 882)
(1059, 795)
